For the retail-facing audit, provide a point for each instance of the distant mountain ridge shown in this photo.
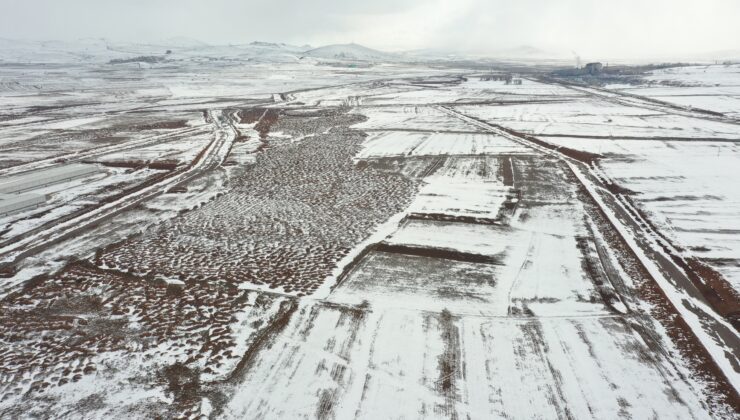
(177, 48)
(102, 50)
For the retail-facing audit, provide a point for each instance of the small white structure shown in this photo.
(14, 203)
(43, 177)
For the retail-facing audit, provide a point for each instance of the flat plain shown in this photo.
(268, 236)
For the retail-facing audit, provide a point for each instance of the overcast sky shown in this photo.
(592, 28)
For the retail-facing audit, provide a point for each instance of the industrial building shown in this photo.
(45, 177)
(593, 68)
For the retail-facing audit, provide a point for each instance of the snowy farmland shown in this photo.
(268, 234)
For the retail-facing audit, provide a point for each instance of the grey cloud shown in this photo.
(594, 28)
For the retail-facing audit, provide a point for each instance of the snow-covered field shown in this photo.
(711, 87)
(597, 118)
(394, 143)
(687, 187)
(283, 233)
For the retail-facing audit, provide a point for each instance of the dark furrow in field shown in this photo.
(443, 253)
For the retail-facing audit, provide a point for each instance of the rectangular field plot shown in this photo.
(480, 239)
(718, 99)
(542, 181)
(561, 368)
(479, 269)
(395, 363)
(712, 88)
(539, 273)
(291, 373)
(477, 168)
(400, 143)
(547, 278)
(462, 198)
(182, 150)
(685, 190)
(590, 117)
(411, 118)
(420, 282)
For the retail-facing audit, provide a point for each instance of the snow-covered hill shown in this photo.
(348, 52)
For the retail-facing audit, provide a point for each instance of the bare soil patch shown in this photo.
(286, 221)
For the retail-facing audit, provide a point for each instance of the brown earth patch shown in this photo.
(444, 253)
